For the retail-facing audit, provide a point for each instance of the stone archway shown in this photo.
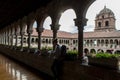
(67, 21)
(86, 51)
(92, 51)
(100, 51)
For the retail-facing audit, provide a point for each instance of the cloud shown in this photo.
(88, 28)
(47, 23)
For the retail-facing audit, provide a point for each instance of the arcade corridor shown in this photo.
(16, 16)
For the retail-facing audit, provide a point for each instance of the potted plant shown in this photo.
(105, 60)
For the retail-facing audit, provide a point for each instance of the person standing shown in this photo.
(56, 55)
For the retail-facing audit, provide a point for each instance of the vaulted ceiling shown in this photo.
(12, 10)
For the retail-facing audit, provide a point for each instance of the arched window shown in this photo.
(99, 24)
(116, 43)
(73, 41)
(46, 40)
(107, 23)
(103, 17)
(60, 41)
(43, 40)
(102, 42)
(68, 41)
(65, 41)
(36, 40)
(92, 51)
(24, 40)
(32, 40)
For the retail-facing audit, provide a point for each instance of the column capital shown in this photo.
(22, 32)
(29, 31)
(39, 29)
(55, 27)
(80, 22)
(16, 33)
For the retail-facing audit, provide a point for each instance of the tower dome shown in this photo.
(105, 20)
(106, 11)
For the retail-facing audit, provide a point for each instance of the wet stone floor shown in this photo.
(10, 70)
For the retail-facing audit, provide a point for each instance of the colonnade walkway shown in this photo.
(71, 69)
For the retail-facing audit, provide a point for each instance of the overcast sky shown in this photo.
(67, 23)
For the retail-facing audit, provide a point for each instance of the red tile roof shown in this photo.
(63, 34)
(102, 34)
(49, 33)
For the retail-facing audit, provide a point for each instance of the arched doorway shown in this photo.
(86, 51)
(92, 51)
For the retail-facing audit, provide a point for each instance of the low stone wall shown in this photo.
(72, 70)
(76, 71)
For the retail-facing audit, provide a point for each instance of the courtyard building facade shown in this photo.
(104, 38)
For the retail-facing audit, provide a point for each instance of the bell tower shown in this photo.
(105, 21)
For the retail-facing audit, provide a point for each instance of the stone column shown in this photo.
(80, 23)
(29, 22)
(8, 38)
(39, 30)
(11, 40)
(5, 38)
(29, 31)
(16, 39)
(0, 38)
(54, 28)
(22, 34)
